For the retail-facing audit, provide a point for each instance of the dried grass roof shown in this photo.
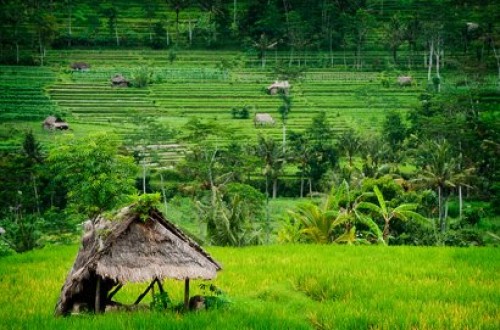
(264, 118)
(129, 249)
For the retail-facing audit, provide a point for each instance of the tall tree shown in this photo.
(284, 110)
(95, 175)
(394, 34)
(273, 161)
(178, 6)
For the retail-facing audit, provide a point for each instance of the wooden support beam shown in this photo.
(112, 293)
(98, 295)
(186, 294)
(145, 292)
(160, 286)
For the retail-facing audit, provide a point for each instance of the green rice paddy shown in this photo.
(285, 287)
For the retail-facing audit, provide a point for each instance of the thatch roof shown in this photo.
(51, 122)
(405, 80)
(278, 86)
(119, 80)
(81, 66)
(128, 249)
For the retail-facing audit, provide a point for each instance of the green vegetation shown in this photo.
(388, 135)
(292, 286)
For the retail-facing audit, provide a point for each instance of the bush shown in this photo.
(22, 233)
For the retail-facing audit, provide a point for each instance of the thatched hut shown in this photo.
(405, 80)
(80, 66)
(263, 119)
(52, 123)
(130, 248)
(119, 81)
(278, 86)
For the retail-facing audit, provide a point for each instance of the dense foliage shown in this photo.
(425, 175)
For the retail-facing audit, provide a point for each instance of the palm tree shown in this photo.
(350, 143)
(441, 171)
(323, 223)
(177, 6)
(263, 45)
(317, 223)
(273, 160)
(284, 110)
(402, 212)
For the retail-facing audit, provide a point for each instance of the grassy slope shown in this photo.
(291, 287)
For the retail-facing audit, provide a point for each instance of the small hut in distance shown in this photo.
(119, 81)
(278, 86)
(80, 66)
(130, 248)
(53, 123)
(263, 119)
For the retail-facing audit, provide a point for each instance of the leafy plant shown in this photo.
(214, 297)
(161, 301)
(144, 203)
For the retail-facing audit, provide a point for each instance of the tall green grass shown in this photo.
(286, 287)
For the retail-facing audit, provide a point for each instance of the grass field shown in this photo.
(285, 287)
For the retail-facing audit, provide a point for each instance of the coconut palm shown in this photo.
(273, 160)
(441, 171)
(403, 212)
(263, 45)
(178, 6)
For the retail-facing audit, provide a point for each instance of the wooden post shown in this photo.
(98, 295)
(160, 286)
(118, 287)
(186, 294)
(145, 292)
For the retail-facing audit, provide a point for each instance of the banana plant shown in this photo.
(403, 212)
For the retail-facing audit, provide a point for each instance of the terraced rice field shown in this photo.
(194, 85)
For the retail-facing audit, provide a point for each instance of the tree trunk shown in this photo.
(385, 233)
(431, 54)
(177, 25)
(17, 52)
(35, 191)
(234, 13)
(301, 185)
(164, 194)
(116, 35)
(284, 136)
(190, 31)
(460, 202)
(275, 187)
(69, 25)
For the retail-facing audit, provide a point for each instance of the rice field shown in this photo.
(285, 287)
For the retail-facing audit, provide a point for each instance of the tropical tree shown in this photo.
(178, 6)
(394, 34)
(440, 170)
(273, 159)
(95, 175)
(228, 216)
(263, 44)
(333, 221)
(284, 111)
(402, 212)
(394, 130)
(349, 143)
